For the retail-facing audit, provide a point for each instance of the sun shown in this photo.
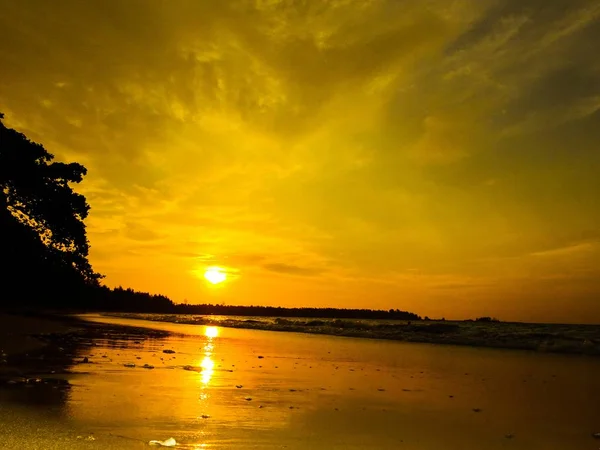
(215, 275)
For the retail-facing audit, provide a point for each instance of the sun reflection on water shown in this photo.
(211, 332)
(207, 364)
(208, 368)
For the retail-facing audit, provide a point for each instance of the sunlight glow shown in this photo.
(208, 367)
(215, 275)
(211, 332)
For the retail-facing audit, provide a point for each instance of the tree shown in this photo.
(41, 217)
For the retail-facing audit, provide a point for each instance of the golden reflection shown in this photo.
(208, 368)
(211, 332)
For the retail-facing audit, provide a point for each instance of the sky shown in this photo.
(435, 156)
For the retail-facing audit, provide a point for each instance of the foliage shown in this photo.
(41, 218)
(272, 311)
(487, 319)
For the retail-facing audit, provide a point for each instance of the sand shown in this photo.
(227, 388)
(17, 332)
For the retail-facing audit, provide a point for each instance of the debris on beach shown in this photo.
(148, 366)
(260, 357)
(85, 360)
(239, 386)
(192, 368)
(248, 399)
(129, 365)
(205, 416)
(166, 443)
(169, 351)
(89, 438)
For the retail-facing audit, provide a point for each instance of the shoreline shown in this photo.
(31, 332)
(22, 332)
(542, 338)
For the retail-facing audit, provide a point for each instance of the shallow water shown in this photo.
(545, 337)
(309, 391)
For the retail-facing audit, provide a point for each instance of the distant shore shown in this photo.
(550, 338)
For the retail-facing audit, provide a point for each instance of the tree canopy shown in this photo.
(42, 228)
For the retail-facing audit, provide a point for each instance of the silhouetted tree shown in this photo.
(43, 236)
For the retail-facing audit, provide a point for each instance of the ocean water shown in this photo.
(559, 338)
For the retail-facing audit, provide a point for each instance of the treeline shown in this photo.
(274, 311)
(102, 298)
(120, 299)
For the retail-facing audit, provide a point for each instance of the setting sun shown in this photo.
(215, 275)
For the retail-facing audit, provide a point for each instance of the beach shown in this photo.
(16, 332)
(224, 388)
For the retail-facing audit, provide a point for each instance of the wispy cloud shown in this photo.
(290, 269)
(289, 138)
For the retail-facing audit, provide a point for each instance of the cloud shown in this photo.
(583, 247)
(283, 137)
(289, 269)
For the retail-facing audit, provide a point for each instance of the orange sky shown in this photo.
(439, 157)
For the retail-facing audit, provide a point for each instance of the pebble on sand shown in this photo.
(129, 365)
(248, 399)
(166, 443)
(148, 366)
(169, 351)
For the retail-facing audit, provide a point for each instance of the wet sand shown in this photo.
(248, 389)
(16, 332)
